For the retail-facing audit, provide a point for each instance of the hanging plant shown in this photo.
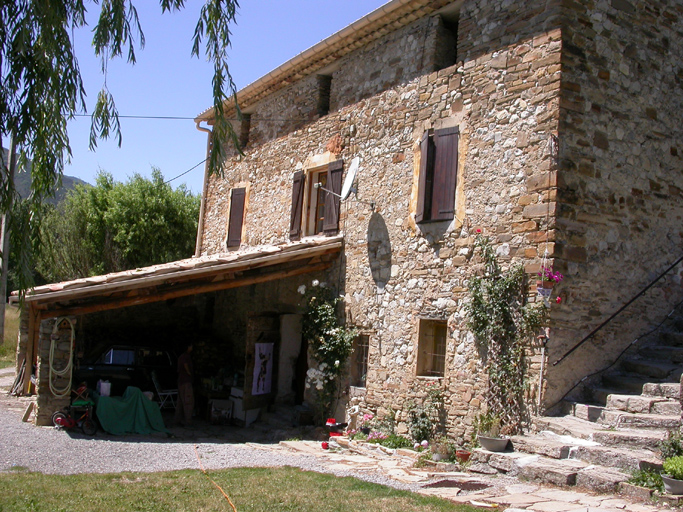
(330, 344)
(502, 323)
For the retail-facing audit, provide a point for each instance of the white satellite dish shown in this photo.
(350, 177)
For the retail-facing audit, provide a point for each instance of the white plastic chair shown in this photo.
(167, 397)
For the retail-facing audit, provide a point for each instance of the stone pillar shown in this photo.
(57, 341)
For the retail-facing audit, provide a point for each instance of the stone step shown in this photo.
(636, 439)
(626, 383)
(601, 479)
(550, 471)
(544, 461)
(540, 444)
(672, 338)
(643, 404)
(599, 394)
(617, 457)
(653, 368)
(567, 426)
(665, 389)
(617, 418)
(663, 353)
(578, 428)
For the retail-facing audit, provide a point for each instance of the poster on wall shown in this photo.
(263, 368)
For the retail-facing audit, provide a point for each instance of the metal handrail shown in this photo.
(603, 324)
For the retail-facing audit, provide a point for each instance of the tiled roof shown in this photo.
(198, 267)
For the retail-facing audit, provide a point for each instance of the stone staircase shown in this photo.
(615, 429)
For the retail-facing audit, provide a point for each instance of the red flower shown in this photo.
(325, 445)
(558, 299)
(478, 230)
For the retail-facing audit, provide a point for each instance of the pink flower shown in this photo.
(478, 230)
(558, 299)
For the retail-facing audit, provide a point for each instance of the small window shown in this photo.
(321, 189)
(431, 355)
(236, 218)
(359, 361)
(438, 175)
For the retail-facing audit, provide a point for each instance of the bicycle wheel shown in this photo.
(89, 427)
(59, 419)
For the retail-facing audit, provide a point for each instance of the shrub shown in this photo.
(673, 466)
(672, 446)
(647, 478)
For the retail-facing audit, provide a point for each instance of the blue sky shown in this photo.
(166, 81)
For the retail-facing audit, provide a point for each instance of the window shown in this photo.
(431, 349)
(438, 175)
(119, 356)
(359, 361)
(236, 218)
(312, 190)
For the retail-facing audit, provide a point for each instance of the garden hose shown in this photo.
(65, 391)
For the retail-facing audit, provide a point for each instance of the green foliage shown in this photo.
(487, 425)
(672, 446)
(649, 478)
(502, 324)
(330, 344)
(8, 349)
(424, 419)
(116, 226)
(392, 441)
(673, 466)
(41, 89)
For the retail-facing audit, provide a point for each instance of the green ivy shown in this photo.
(502, 323)
(330, 343)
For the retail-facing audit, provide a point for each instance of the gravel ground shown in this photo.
(48, 450)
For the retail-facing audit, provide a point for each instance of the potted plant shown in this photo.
(546, 280)
(487, 427)
(673, 475)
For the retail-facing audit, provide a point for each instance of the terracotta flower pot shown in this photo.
(545, 284)
(463, 455)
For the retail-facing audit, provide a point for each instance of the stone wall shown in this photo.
(620, 181)
(505, 103)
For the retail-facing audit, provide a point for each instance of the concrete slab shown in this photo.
(556, 506)
(517, 500)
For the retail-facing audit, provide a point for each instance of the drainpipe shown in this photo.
(200, 226)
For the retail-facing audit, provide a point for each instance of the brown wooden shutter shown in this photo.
(334, 183)
(297, 206)
(445, 174)
(236, 217)
(424, 184)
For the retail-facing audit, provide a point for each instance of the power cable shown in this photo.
(184, 173)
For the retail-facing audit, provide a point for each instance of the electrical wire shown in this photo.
(184, 173)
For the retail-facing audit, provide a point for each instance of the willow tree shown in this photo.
(41, 89)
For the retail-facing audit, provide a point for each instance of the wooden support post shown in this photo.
(34, 320)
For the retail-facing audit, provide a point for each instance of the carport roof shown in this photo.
(184, 277)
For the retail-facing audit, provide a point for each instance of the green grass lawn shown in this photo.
(8, 348)
(250, 489)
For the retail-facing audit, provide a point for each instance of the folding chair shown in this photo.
(167, 397)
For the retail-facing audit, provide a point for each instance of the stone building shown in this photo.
(552, 127)
(556, 128)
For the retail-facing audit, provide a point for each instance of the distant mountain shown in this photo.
(22, 182)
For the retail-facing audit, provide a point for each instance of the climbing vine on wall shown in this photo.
(330, 344)
(503, 324)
